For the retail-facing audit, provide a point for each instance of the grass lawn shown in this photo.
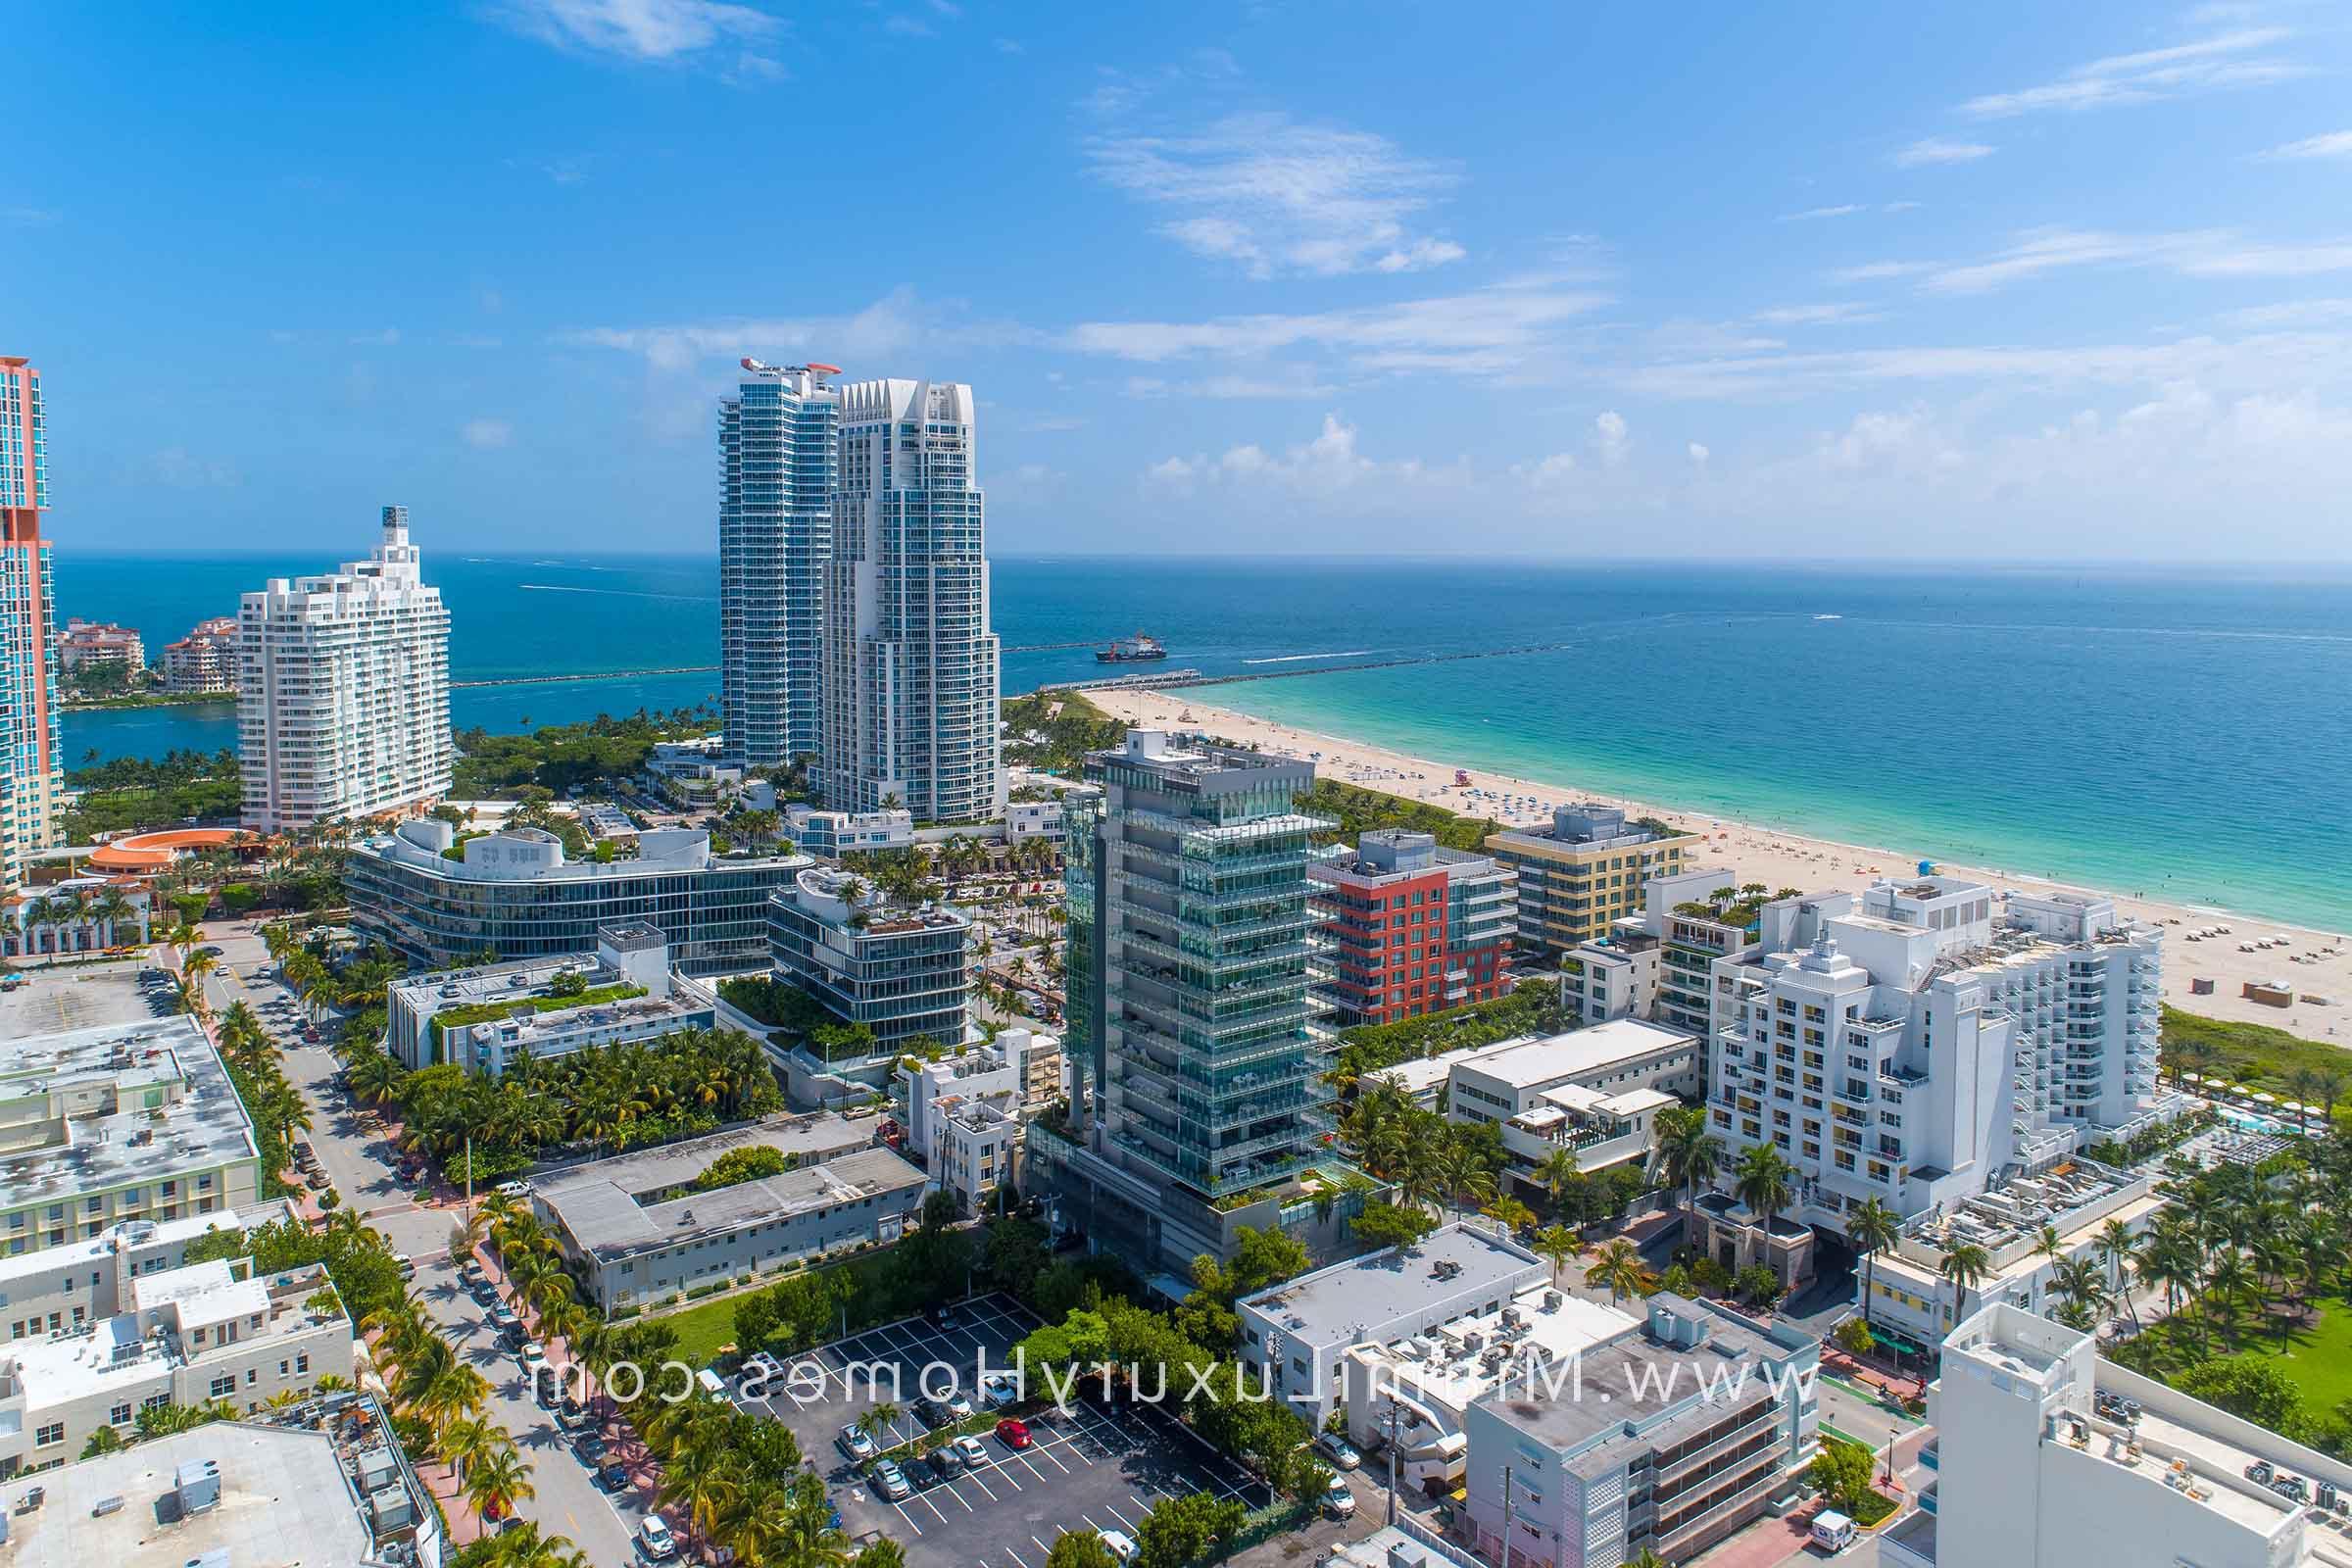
(2319, 1359)
(703, 1328)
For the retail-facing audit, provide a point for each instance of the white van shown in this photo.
(1832, 1531)
(709, 1382)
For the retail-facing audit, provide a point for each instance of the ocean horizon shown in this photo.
(2050, 719)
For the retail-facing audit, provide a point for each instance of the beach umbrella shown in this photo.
(2266, 1097)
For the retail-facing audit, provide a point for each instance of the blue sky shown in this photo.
(1991, 282)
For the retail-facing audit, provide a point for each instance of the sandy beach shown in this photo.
(2313, 963)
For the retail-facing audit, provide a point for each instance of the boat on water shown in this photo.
(1136, 650)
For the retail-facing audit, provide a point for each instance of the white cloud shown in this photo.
(2195, 253)
(486, 435)
(1545, 473)
(1274, 195)
(2334, 144)
(1699, 454)
(2293, 313)
(29, 216)
(649, 30)
(2225, 60)
(1012, 46)
(910, 28)
(1844, 210)
(1490, 331)
(883, 330)
(1839, 313)
(1933, 150)
(383, 339)
(1879, 272)
(1322, 469)
(1610, 435)
(178, 469)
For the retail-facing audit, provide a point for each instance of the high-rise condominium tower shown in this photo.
(776, 440)
(343, 691)
(29, 759)
(910, 665)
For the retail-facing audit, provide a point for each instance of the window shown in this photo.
(225, 1386)
(50, 1436)
(120, 1415)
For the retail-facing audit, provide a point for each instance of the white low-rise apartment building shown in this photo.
(2038, 1465)
(118, 1122)
(1595, 1092)
(186, 1336)
(481, 1018)
(1417, 1391)
(1024, 1065)
(2077, 1200)
(1666, 1438)
(830, 835)
(62, 1288)
(318, 1484)
(1917, 1045)
(343, 691)
(642, 1233)
(1296, 1332)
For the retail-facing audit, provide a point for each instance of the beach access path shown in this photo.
(1780, 860)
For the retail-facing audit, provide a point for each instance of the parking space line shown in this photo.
(1120, 1517)
(933, 1506)
(974, 1478)
(909, 1518)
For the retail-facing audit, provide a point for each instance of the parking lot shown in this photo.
(1100, 1467)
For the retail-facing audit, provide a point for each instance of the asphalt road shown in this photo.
(361, 1164)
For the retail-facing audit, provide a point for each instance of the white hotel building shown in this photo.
(2033, 1469)
(343, 691)
(1922, 1042)
(910, 682)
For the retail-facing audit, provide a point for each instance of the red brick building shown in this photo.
(1410, 928)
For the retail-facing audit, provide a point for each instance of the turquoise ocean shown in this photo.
(2182, 736)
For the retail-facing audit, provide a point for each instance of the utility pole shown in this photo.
(1392, 1519)
(1506, 1516)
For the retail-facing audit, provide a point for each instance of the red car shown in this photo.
(1014, 1434)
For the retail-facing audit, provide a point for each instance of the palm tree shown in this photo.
(1765, 1182)
(1556, 1245)
(2115, 1251)
(2081, 1285)
(1872, 1228)
(877, 1420)
(497, 1482)
(1619, 1268)
(1965, 1266)
(1688, 1156)
(465, 1441)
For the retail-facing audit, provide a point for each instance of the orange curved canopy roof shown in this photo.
(155, 852)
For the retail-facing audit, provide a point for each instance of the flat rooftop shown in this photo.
(1578, 1051)
(87, 1253)
(1451, 1362)
(201, 1127)
(284, 1498)
(1635, 1377)
(610, 1224)
(1368, 1294)
(57, 1001)
(818, 1136)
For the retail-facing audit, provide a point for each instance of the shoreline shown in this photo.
(1780, 857)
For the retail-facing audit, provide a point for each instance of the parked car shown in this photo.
(1338, 1499)
(1339, 1451)
(513, 1188)
(612, 1476)
(939, 1413)
(1014, 1434)
(1000, 1388)
(971, 1450)
(572, 1415)
(891, 1481)
(502, 1317)
(532, 1356)
(944, 1462)
(856, 1443)
(655, 1541)
(761, 1367)
(591, 1450)
(471, 1273)
(1120, 1544)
